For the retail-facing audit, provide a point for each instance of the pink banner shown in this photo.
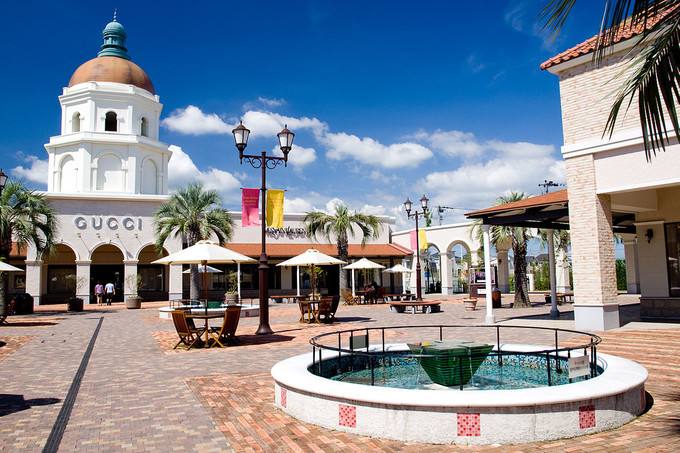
(250, 202)
(412, 235)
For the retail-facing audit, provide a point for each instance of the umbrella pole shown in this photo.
(353, 286)
(298, 281)
(238, 281)
(313, 282)
(205, 284)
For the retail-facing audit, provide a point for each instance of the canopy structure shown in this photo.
(547, 212)
(204, 252)
(398, 269)
(4, 267)
(312, 258)
(363, 263)
(202, 269)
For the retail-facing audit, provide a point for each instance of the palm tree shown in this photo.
(518, 237)
(194, 214)
(26, 218)
(340, 226)
(655, 75)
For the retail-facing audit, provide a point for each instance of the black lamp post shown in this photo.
(408, 205)
(241, 134)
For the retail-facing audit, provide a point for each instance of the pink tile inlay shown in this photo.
(468, 425)
(347, 415)
(586, 417)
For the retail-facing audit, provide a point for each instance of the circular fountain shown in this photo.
(460, 384)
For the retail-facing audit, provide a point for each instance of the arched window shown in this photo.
(149, 184)
(145, 127)
(75, 122)
(111, 122)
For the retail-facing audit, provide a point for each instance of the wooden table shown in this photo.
(312, 310)
(207, 317)
(426, 306)
(281, 297)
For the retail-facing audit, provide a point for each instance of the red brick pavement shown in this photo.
(12, 343)
(242, 407)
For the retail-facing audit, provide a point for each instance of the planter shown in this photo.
(23, 304)
(470, 304)
(133, 302)
(231, 299)
(74, 304)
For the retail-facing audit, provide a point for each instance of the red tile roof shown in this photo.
(557, 197)
(626, 32)
(290, 250)
(17, 252)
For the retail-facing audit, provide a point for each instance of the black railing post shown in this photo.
(547, 361)
(569, 357)
(372, 370)
(313, 357)
(351, 351)
(320, 365)
(441, 334)
(339, 353)
(557, 354)
(498, 345)
(460, 372)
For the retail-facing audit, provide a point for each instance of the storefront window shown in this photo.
(61, 279)
(151, 277)
(673, 257)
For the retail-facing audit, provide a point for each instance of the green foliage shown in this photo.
(621, 281)
(231, 280)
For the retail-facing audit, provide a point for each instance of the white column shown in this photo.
(238, 280)
(353, 285)
(175, 277)
(487, 272)
(130, 279)
(298, 280)
(503, 282)
(447, 286)
(630, 249)
(554, 312)
(34, 279)
(83, 280)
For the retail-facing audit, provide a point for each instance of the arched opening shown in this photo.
(111, 122)
(107, 267)
(149, 180)
(144, 127)
(75, 122)
(110, 174)
(432, 269)
(152, 278)
(460, 260)
(60, 274)
(68, 175)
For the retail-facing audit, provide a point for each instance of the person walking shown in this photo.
(109, 291)
(99, 292)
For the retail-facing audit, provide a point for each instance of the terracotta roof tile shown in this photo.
(626, 32)
(559, 196)
(289, 250)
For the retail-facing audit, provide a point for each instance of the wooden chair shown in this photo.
(380, 295)
(327, 308)
(305, 309)
(188, 336)
(348, 299)
(227, 333)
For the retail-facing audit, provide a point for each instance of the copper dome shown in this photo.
(112, 69)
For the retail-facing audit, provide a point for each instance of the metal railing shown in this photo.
(377, 353)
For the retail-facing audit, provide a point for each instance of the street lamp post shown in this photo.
(264, 162)
(408, 205)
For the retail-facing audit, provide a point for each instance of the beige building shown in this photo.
(611, 183)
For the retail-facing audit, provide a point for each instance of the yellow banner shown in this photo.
(275, 208)
(422, 239)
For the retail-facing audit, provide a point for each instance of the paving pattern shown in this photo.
(138, 395)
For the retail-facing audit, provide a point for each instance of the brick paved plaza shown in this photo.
(137, 394)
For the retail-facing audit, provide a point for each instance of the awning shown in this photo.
(288, 250)
(546, 211)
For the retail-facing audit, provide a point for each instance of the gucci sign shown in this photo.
(112, 223)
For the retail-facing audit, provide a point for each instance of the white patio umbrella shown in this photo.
(202, 269)
(4, 267)
(204, 252)
(313, 258)
(399, 269)
(363, 263)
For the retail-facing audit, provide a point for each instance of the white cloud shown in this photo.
(453, 143)
(474, 64)
(269, 123)
(297, 205)
(371, 152)
(182, 170)
(271, 102)
(334, 203)
(35, 170)
(299, 156)
(193, 121)
(373, 209)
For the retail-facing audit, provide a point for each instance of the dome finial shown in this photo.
(114, 39)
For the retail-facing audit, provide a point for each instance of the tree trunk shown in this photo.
(3, 301)
(4, 256)
(521, 291)
(343, 254)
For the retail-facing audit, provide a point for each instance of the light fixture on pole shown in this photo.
(408, 206)
(264, 162)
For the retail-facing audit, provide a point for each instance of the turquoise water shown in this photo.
(516, 372)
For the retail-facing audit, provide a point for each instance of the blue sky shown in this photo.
(388, 98)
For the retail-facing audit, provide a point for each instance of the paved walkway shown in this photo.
(136, 394)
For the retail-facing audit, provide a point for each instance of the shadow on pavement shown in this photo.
(16, 403)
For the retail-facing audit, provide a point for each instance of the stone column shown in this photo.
(175, 281)
(83, 281)
(34, 279)
(129, 279)
(562, 270)
(489, 319)
(592, 242)
(503, 270)
(554, 312)
(630, 250)
(445, 273)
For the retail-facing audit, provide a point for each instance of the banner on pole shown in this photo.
(275, 208)
(422, 239)
(250, 203)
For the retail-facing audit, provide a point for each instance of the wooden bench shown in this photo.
(426, 306)
(561, 298)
